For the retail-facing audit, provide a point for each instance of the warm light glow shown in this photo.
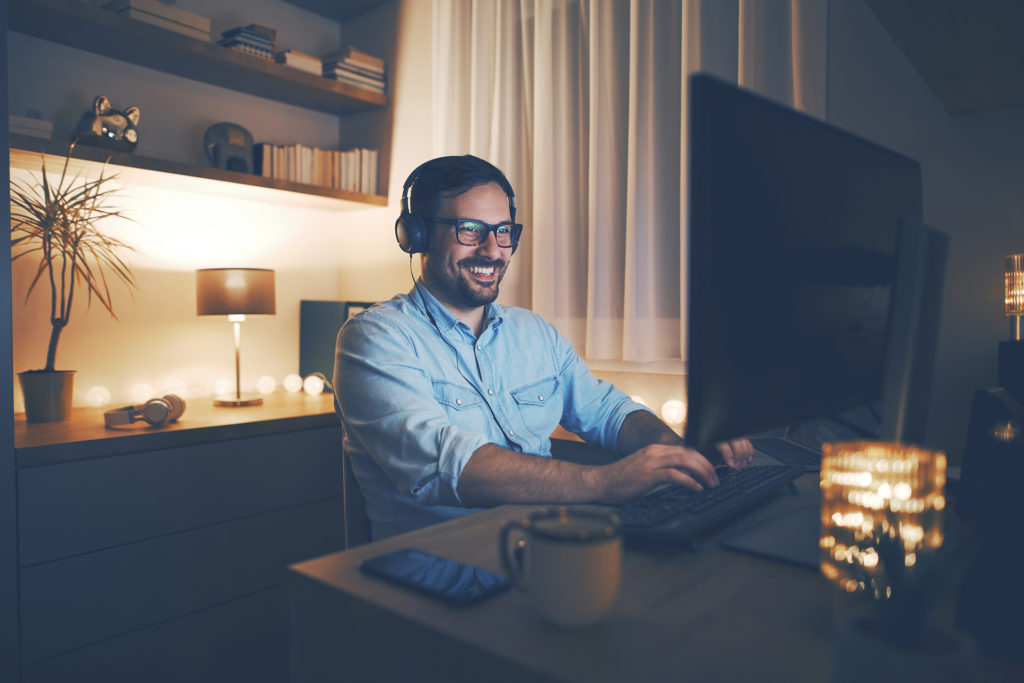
(1014, 290)
(293, 384)
(142, 392)
(98, 396)
(266, 385)
(673, 412)
(873, 490)
(313, 385)
(223, 387)
(640, 400)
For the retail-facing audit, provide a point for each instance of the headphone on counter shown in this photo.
(412, 231)
(155, 411)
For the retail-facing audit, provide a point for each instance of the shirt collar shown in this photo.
(445, 320)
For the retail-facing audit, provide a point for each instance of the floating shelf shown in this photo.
(112, 35)
(25, 152)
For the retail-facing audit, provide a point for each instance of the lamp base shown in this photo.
(239, 402)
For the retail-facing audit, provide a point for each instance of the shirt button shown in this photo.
(511, 433)
(540, 398)
(490, 393)
(458, 401)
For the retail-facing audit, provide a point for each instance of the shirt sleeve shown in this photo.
(388, 407)
(592, 408)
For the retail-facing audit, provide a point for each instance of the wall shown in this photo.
(973, 167)
(182, 224)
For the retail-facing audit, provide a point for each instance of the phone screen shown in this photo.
(441, 577)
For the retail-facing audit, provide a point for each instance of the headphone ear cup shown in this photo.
(411, 233)
(156, 411)
(177, 404)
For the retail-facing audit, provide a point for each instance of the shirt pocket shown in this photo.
(540, 405)
(464, 406)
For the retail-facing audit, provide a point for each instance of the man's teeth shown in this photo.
(482, 270)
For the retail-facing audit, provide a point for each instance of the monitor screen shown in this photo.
(793, 235)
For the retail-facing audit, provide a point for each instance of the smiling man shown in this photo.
(448, 400)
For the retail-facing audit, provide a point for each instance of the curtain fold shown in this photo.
(583, 104)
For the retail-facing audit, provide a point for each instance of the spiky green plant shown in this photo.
(57, 223)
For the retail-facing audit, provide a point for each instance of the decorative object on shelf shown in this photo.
(229, 146)
(57, 223)
(236, 293)
(156, 412)
(252, 39)
(1011, 352)
(881, 537)
(104, 126)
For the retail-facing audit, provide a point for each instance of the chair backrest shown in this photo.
(357, 524)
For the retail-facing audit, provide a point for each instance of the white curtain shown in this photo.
(583, 104)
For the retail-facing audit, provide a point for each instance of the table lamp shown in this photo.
(236, 293)
(1011, 353)
(881, 508)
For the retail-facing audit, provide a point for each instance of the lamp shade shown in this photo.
(1015, 284)
(232, 291)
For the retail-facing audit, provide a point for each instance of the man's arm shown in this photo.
(641, 428)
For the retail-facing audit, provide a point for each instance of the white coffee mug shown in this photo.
(568, 560)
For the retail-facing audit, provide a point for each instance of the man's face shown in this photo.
(462, 277)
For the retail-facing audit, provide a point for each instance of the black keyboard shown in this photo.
(789, 453)
(675, 512)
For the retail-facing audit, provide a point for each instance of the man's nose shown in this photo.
(489, 247)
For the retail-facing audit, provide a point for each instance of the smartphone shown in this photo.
(451, 581)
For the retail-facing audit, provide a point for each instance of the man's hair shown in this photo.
(448, 177)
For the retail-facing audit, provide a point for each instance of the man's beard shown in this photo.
(457, 290)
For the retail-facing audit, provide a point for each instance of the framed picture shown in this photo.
(319, 322)
(356, 307)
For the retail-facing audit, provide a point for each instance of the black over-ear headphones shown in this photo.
(155, 411)
(413, 232)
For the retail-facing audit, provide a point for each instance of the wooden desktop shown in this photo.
(703, 613)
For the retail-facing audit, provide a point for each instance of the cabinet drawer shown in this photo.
(243, 640)
(83, 506)
(83, 600)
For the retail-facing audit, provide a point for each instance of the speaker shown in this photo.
(155, 411)
(413, 232)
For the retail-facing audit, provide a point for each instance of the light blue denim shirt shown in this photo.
(417, 400)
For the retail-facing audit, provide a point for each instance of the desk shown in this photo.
(704, 615)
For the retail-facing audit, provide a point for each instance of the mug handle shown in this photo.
(512, 560)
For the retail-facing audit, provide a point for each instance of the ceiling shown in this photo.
(338, 10)
(969, 52)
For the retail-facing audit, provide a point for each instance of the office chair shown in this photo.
(357, 524)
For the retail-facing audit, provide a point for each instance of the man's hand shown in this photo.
(652, 466)
(736, 454)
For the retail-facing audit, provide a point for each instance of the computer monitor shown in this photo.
(811, 280)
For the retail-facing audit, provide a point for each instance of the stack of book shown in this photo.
(354, 170)
(299, 60)
(357, 68)
(163, 15)
(37, 128)
(252, 39)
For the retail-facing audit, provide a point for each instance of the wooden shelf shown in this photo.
(25, 154)
(112, 35)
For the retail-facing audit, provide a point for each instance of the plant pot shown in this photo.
(47, 394)
(860, 653)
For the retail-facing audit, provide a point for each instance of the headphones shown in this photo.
(155, 411)
(413, 232)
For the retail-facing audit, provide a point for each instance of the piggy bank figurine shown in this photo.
(107, 127)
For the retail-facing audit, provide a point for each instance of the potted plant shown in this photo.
(57, 224)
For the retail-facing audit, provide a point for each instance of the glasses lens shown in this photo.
(471, 233)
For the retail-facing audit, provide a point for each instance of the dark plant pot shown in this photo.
(47, 394)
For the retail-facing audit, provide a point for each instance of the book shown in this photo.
(355, 68)
(375, 87)
(28, 122)
(255, 51)
(160, 9)
(31, 132)
(169, 24)
(299, 60)
(357, 77)
(248, 39)
(265, 32)
(356, 56)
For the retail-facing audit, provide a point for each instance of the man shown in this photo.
(448, 400)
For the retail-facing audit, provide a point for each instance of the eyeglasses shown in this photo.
(473, 233)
